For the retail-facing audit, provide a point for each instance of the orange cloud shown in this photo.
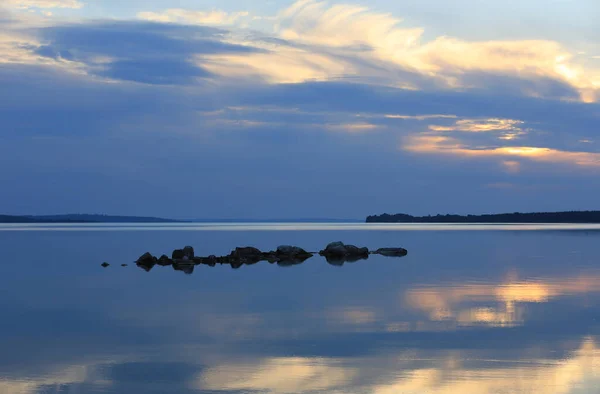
(436, 144)
(342, 40)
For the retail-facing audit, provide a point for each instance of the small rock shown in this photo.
(123, 265)
(164, 261)
(391, 252)
(105, 264)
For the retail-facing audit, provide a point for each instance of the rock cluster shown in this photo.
(336, 253)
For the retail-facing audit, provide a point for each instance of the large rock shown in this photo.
(391, 252)
(146, 262)
(177, 254)
(339, 249)
(246, 255)
(186, 253)
(287, 250)
(337, 253)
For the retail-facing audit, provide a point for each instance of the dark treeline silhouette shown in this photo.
(517, 217)
(30, 219)
(81, 218)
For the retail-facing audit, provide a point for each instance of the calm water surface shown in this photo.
(472, 309)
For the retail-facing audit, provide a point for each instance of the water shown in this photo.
(489, 309)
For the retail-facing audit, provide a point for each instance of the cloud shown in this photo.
(481, 125)
(91, 88)
(578, 372)
(71, 375)
(276, 376)
(435, 144)
(25, 4)
(326, 42)
(178, 15)
(134, 51)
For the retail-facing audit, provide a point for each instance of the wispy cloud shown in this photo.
(26, 4)
(179, 15)
(323, 42)
(436, 144)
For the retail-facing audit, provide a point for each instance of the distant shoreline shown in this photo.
(87, 218)
(517, 217)
(82, 218)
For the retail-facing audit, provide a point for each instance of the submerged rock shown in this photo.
(391, 252)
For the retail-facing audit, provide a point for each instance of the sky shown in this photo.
(298, 109)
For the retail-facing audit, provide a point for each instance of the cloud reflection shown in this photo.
(278, 375)
(454, 303)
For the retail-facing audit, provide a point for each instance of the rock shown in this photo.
(146, 258)
(271, 257)
(177, 254)
(356, 251)
(246, 252)
(334, 249)
(146, 261)
(164, 261)
(338, 250)
(245, 255)
(188, 253)
(291, 251)
(105, 264)
(391, 252)
(211, 260)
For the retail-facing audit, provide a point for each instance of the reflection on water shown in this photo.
(519, 319)
(501, 304)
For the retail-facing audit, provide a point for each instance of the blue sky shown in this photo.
(307, 108)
